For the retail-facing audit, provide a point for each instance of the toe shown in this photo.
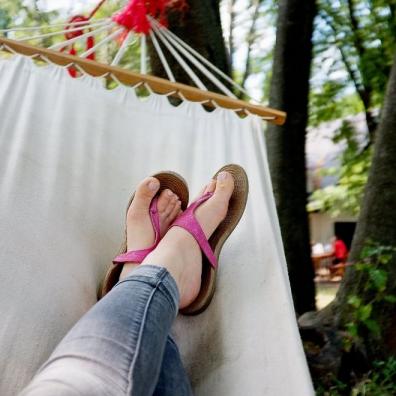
(175, 212)
(224, 187)
(164, 199)
(171, 205)
(145, 192)
(211, 186)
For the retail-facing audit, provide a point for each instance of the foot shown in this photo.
(140, 231)
(179, 252)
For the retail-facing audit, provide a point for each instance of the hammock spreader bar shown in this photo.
(158, 85)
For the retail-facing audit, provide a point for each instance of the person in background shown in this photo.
(340, 252)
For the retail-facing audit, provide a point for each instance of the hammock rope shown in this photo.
(162, 57)
(124, 46)
(195, 62)
(61, 32)
(150, 21)
(49, 25)
(85, 35)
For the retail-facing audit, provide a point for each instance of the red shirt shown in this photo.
(340, 249)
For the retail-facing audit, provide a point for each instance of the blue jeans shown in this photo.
(121, 346)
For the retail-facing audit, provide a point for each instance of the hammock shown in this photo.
(71, 153)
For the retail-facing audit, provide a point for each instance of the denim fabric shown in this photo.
(121, 346)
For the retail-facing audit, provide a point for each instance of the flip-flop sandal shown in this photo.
(211, 248)
(167, 179)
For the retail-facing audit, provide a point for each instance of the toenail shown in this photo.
(222, 176)
(153, 185)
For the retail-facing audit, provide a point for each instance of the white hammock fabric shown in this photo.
(71, 153)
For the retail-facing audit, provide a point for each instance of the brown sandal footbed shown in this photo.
(235, 211)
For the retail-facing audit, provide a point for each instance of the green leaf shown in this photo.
(379, 279)
(362, 266)
(365, 312)
(385, 258)
(347, 344)
(390, 298)
(373, 326)
(352, 329)
(369, 251)
(355, 301)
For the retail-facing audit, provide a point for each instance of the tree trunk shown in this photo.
(376, 223)
(286, 143)
(200, 27)
(377, 220)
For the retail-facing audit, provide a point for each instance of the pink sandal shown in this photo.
(178, 185)
(137, 256)
(211, 248)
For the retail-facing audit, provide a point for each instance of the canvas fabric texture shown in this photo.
(71, 154)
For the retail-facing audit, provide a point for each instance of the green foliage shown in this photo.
(5, 19)
(346, 195)
(331, 104)
(372, 270)
(355, 41)
(372, 267)
(380, 381)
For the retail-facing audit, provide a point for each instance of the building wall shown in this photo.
(322, 226)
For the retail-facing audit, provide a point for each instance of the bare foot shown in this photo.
(179, 252)
(140, 231)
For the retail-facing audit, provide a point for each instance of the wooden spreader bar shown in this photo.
(158, 85)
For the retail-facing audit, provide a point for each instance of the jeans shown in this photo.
(121, 346)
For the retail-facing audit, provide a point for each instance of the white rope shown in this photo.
(267, 118)
(143, 54)
(200, 67)
(181, 96)
(102, 42)
(137, 85)
(181, 61)
(147, 86)
(124, 46)
(162, 57)
(205, 61)
(5, 47)
(44, 58)
(50, 62)
(91, 33)
(140, 83)
(44, 35)
(17, 28)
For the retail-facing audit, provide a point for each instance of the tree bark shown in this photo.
(286, 143)
(378, 216)
(377, 223)
(201, 28)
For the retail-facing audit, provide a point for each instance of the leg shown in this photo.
(117, 347)
(173, 379)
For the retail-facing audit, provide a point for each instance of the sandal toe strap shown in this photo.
(188, 222)
(136, 256)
